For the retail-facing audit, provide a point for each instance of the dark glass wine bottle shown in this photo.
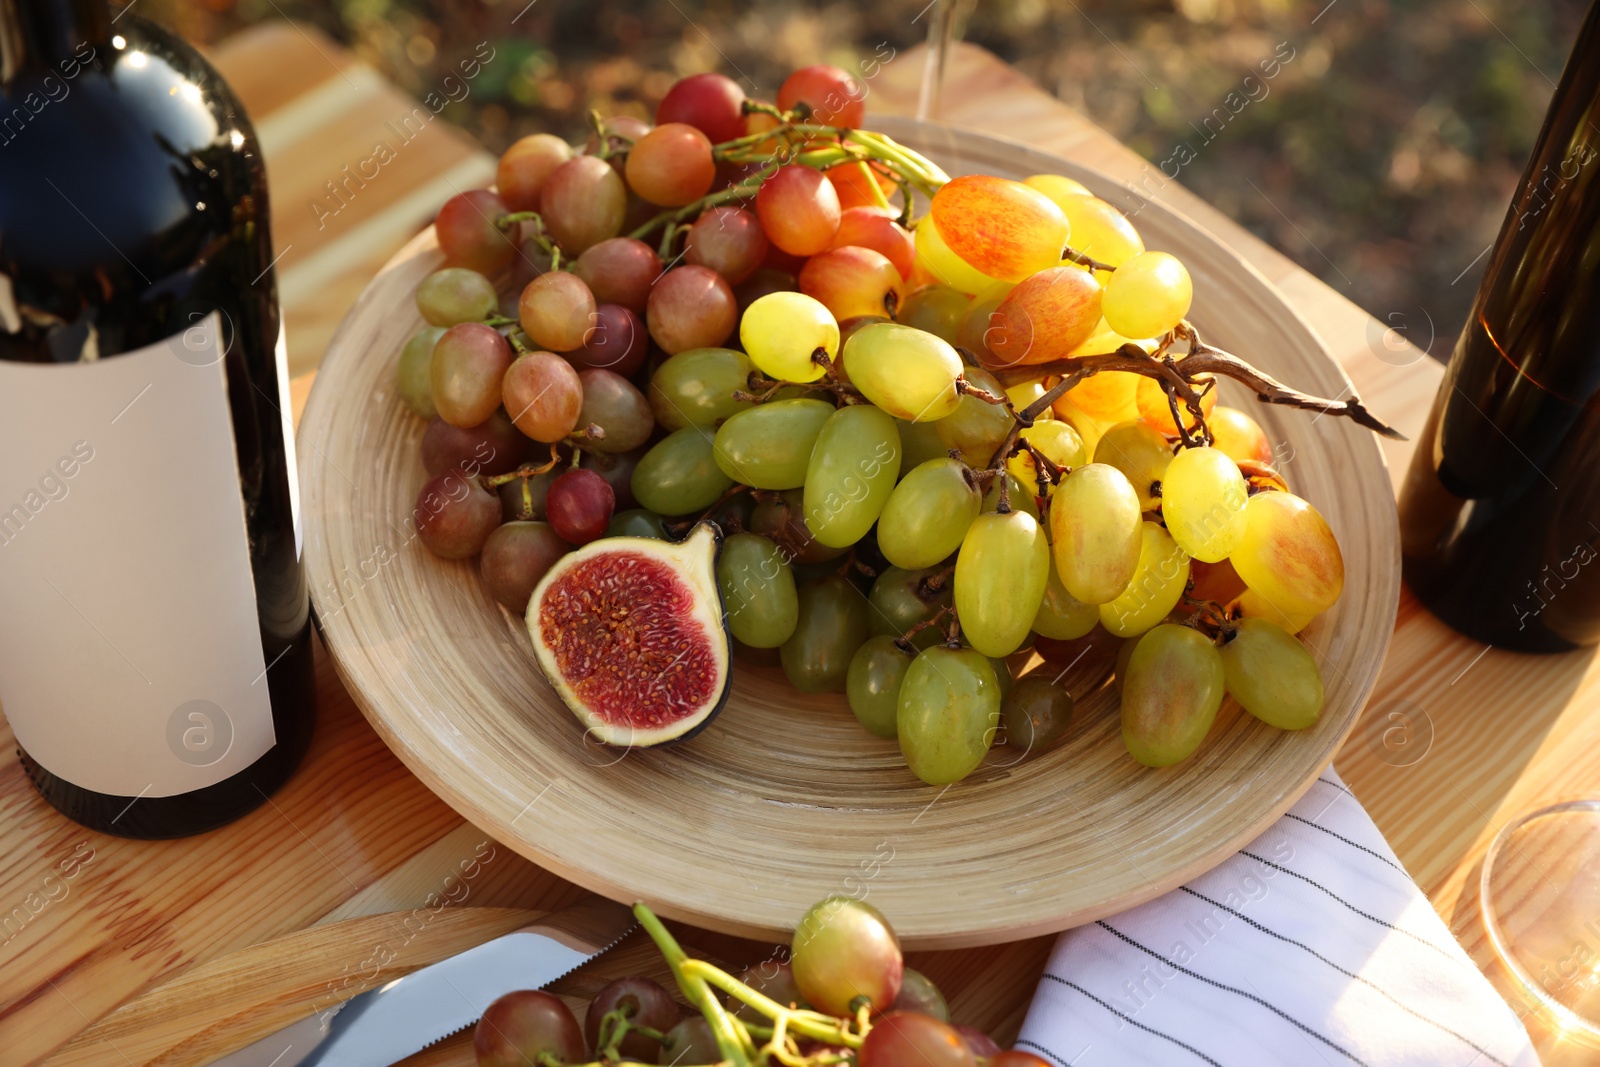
(155, 635)
(1500, 514)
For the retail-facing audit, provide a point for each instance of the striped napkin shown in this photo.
(1310, 946)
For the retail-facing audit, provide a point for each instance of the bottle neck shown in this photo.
(39, 33)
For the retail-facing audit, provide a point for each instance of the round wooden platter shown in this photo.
(784, 798)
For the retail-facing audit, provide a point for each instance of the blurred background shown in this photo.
(1381, 155)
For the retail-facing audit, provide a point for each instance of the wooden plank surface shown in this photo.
(90, 924)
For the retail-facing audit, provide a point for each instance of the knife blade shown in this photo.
(390, 1022)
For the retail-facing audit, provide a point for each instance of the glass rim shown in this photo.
(1567, 1020)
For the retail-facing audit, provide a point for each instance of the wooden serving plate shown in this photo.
(784, 798)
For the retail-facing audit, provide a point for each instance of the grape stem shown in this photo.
(684, 525)
(1184, 378)
(1073, 255)
(741, 191)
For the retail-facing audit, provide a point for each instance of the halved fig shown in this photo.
(631, 632)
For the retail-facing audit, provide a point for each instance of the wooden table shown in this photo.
(152, 942)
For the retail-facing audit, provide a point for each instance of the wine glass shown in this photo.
(945, 17)
(1540, 898)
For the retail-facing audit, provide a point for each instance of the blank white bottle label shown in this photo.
(130, 651)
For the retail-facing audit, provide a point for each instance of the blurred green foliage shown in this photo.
(1381, 155)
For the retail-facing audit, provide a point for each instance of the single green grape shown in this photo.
(1062, 616)
(1139, 451)
(928, 513)
(1147, 295)
(1157, 585)
(937, 309)
(769, 446)
(851, 473)
(1058, 441)
(679, 474)
(1036, 713)
(637, 522)
(831, 625)
(758, 592)
(696, 387)
(1170, 699)
(413, 374)
(1095, 523)
(1000, 580)
(919, 442)
(901, 598)
(906, 372)
(949, 712)
(456, 294)
(1271, 675)
(783, 332)
(976, 428)
(1019, 496)
(1203, 497)
(873, 684)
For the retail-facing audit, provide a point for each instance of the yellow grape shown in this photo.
(1089, 429)
(1058, 441)
(906, 372)
(1155, 410)
(1289, 556)
(1271, 675)
(1096, 527)
(1057, 187)
(1157, 585)
(999, 227)
(1170, 698)
(1239, 435)
(1252, 605)
(1100, 231)
(1024, 393)
(781, 331)
(1063, 616)
(1106, 397)
(1141, 454)
(973, 333)
(945, 266)
(1202, 500)
(1148, 295)
(1001, 573)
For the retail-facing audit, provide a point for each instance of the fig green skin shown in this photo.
(1272, 675)
(918, 993)
(413, 376)
(1096, 526)
(843, 949)
(769, 446)
(873, 684)
(758, 591)
(928, 513)
(900, 600)
(1036, 713)
(679, 474)
(949, 712)
(852, 471)
(1174, 687)
(832, 624)
(1000, 580)
(696, 387)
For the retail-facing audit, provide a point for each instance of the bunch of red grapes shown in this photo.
(843, 993)
(594, 307)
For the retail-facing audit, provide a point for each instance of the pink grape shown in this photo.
(619, 270)
(691, 307)
(579, 506)
(712, 103)
(557, 311)
(525, 166)
(515, 556)
(836, 98)
(799, 209)
(468, 236)
(671, 165)
(614, 404)
(465, 372)
(543, 396)
(455, 515)
(729, 240)
(617, 342)
(493, 447)
(583, 202)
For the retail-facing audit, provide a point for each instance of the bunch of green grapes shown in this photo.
(857, 398)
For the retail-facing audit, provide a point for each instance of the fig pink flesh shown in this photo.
(622, 630)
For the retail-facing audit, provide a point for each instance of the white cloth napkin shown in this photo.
(1310, 946)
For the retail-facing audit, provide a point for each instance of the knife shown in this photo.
(390, 1022)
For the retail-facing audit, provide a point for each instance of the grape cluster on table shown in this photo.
(826, 348)
(839, 994)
